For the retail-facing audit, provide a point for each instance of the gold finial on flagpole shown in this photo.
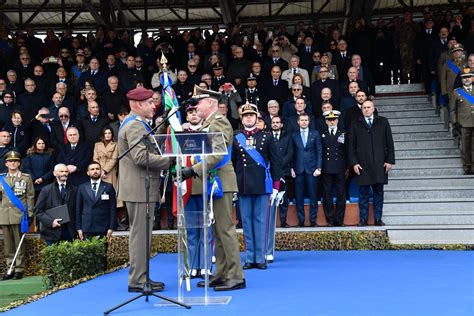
(163, 60)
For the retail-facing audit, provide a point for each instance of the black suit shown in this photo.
(58, 134)
(284, 148)
(256, 97)
(278, 92)
(99, 80)
(306, 58)
(269, 63)
(290, 124)
(423, 52)
(80, 157)
(366, 76)
(48, 198)
(334, 168)
(96, 212)
(91, 131)
(345, 87)
(341, 63)
(317, 87)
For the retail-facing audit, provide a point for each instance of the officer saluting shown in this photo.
(334, 168)
(253, 150)
(462, 113)
(16, 189)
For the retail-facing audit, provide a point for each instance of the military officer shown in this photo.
(334, 168)
(218, 79)
(450, 70)
(228, 275)
(252, 155)
(15, 188)
(253, 94)
(462, 113)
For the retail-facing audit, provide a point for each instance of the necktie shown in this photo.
(343, 55)
(303, 137)
(333, 132)
(276, 136)
(275, 60)
(94, 119)
(275, 82)
(93, 73)
(73, 147)
(308, 50)
(294, 71)
(369, 122)
(94, 188)
(62, 191)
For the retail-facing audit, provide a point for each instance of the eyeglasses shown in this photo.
(206, 78)
(193, 66)
(138, 61)
(7, 97)
(323, 71)
(24, 58)
(120, 114)
(275, 51)
(316, 56)
(65, 116)
(296, 89)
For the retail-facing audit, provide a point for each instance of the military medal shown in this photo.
(250, 143)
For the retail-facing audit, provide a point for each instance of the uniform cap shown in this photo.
(139, 94)
(217, 65)
(331, 114)
(248, 108)
(12, 155)
(457, 47)
(200, 93)
(466, 72)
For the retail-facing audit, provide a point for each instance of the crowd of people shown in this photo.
(301, 100)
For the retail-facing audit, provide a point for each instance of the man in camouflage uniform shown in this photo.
(462, 113)
(10, 216)
(407, 36)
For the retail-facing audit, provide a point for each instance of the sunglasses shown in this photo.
(194, 66)
(138, 61)
(296, 89)
(63, 115)
(275, 51)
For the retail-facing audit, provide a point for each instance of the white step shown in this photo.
(432, 236)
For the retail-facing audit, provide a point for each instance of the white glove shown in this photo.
(279, 197)
(273, 196)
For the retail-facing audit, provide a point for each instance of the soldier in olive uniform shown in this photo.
(462, 113)
(228, 275)
(10, 216)
(450, 69)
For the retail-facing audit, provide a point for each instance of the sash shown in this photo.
(467, 96)
(453, 67)
(257, 157)
(16, 201)
(218, 192)
(130, 118)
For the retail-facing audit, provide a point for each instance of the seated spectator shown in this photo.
(39, 164)
(19, 138)
(58, 193)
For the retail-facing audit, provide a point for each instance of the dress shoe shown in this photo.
(230, 285)
(284, 225)
(248, 266)
(362, 223)
(213, 281)
(313, 225)
(8, 276)
(155, 285)
(18, 276)
(301, 224)
(379, 223)
(261, 266)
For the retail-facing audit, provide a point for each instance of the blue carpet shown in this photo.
(300, 283)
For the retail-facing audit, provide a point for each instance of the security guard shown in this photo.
(462, 113)
(253, 151)
(334, 168)
(15, 188)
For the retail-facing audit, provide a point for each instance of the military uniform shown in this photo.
(253, 193)
(462, 113)
(11, 216)
(333, 173)
(228, 265)
(450, 70)
(407, 37)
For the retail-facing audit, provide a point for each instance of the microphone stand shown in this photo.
(147, 287)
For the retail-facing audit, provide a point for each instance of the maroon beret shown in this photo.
(139, 94)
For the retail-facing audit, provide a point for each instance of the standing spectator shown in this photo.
(13, 83)
(319, 85)
(363, 74)
(342, 57)
(41, 126)
(75, 155)
(98, 77)
(306, 168)
(39, 164)
(325, 62)
(253, 94)
(31, 100)
(293, 70)
(305, 52)
(4, 148)
(113, 99)
(275, 88)
(275, 60)
(95, 206)
(106, 153)
(60, 192)
(93, 125)
(233, 100)
(19, 138)
(424, 42)
(371, 156)
(15, 186)
(239, 68)
(7, 107)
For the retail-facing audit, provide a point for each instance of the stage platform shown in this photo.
(299, 283)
